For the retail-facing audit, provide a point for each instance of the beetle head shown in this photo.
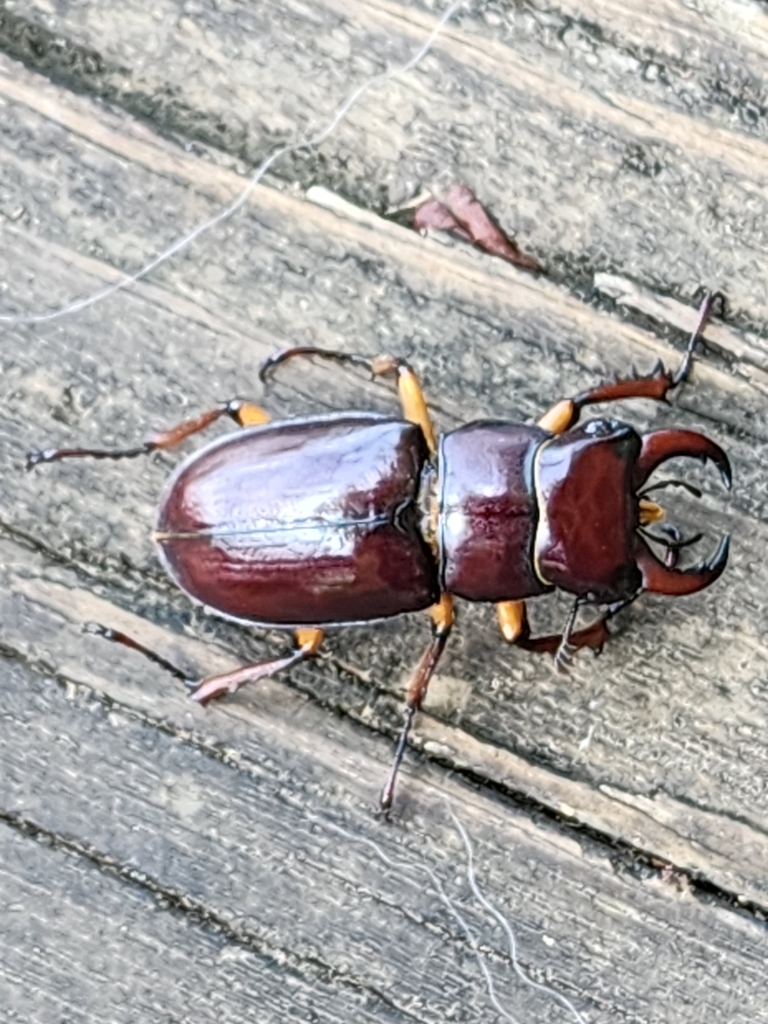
(593, 512)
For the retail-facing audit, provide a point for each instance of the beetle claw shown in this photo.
(718, 561)
(37, 455)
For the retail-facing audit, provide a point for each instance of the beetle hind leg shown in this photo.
(442, 616)
(308, 642)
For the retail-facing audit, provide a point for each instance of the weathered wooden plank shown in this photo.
(511, 698)
(534, 310)
(619, 139)
(725, 853)
(633, 150)
(238, 821)
(83, 940)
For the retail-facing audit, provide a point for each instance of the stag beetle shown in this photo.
(354, 517)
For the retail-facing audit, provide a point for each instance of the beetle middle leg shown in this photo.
(245, 414)
(565, 413)
(412, 400)
(442, 616)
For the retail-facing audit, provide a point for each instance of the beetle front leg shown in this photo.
(565, 414)
(515, 628)
(443, 617)
(245, 414)
(412, 400)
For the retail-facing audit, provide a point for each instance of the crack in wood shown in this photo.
(625, 855)
(175, 901)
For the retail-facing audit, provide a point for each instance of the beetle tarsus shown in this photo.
(271, 363)
(34, 457)
(565, 651)
(564, 657)
(710, 302)
(388, 792)
(116, 637)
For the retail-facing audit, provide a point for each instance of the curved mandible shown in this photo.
(661, 445)
(661, 579)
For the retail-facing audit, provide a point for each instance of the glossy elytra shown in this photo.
(354, 517)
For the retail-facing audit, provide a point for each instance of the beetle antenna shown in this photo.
(674, 538)
(674, 542)
(670, 483)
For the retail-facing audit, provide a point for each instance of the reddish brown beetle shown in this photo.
(355, 517)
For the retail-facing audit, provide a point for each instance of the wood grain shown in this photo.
(161, 861)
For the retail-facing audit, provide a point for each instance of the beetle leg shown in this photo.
(246, 414)
(565, 414)
(116, 637)
(442, 616)
(308, 641)
(412, 399)
(513, 621)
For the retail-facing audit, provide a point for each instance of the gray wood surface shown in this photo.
(163, 862)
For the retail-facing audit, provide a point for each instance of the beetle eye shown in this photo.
(604, 426)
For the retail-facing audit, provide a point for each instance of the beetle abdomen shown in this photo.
(309, 522)
(487, 511)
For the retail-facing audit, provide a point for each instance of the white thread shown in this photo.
(460, 920)
(445, 899)
(487, 905)
(261, 170)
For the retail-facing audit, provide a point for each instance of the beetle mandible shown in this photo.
(353, 517)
